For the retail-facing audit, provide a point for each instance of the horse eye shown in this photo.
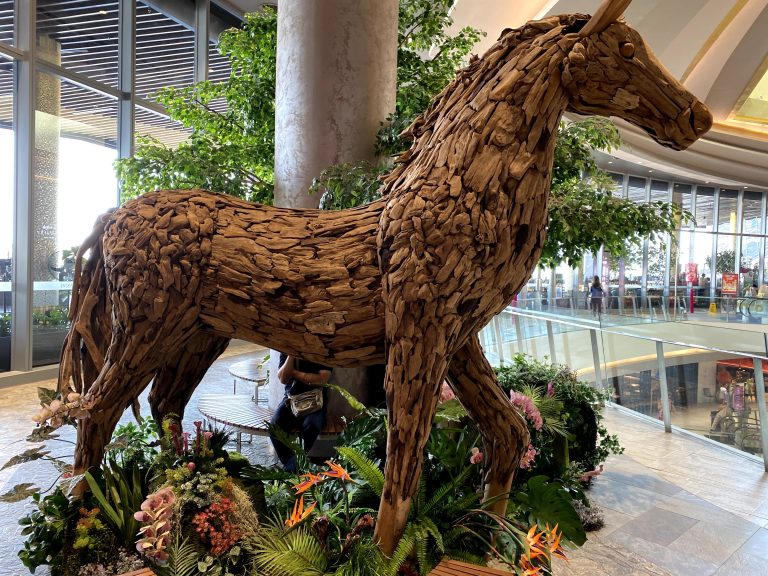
(627, 50)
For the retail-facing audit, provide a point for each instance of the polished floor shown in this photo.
(674, 505)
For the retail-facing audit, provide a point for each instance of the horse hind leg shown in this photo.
(177, 379)
(504, 431)
(119, 383)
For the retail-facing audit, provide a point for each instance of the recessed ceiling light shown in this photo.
(706, 181)
(103, 12)
(650, 170)
(610, 161)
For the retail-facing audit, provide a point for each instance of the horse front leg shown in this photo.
(415, 368)
(504, 431)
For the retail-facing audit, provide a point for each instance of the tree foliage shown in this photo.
(231, 151)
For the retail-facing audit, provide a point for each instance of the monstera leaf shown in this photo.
(548, 503)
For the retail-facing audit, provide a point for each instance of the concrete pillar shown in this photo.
(336, 81)
(47, 135)
(336, 78)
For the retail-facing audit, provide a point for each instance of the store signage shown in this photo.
(730, 284)
(691, 272)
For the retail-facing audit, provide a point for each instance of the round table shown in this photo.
(251, 370)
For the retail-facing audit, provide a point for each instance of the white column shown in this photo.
(336, 80)
(336, 77)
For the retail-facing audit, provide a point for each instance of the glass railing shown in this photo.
(710, 372)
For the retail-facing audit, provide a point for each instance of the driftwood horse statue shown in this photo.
(174, 275)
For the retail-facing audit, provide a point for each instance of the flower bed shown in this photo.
(178, 502)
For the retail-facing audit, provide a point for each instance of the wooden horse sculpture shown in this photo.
(412, 278)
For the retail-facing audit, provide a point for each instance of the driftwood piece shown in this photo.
(173, 275)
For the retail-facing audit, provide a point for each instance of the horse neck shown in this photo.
(494, 133)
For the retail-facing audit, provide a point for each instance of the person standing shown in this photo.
(299, 377)
(596, 294)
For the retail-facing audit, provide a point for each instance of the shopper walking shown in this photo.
(596, 294)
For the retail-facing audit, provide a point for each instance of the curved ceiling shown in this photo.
(717, 48)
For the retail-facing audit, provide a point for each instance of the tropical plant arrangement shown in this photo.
(180, 503)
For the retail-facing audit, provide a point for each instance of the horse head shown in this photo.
(610, 71)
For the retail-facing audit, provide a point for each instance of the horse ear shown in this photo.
(609, 12)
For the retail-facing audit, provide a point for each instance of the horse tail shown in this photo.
(90, 316)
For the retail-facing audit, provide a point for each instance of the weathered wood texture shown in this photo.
(173, 275)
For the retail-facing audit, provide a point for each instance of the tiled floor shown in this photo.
(674, 505)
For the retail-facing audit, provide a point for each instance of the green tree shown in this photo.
(231, 152)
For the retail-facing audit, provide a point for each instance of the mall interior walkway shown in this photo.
(674, 505)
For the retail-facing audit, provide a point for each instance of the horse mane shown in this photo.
(470, 80)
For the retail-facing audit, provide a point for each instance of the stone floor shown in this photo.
(674, 505)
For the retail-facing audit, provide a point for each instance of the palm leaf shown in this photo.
(182, 559)
(295, 553)
(365, 467)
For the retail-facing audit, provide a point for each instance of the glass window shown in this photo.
(726, 256)
(750, 257)
(702, 253)
(659, 191)
(165, 52)
(726, 219)
(6, 22)
(682, 196)
(6, 209)
(81, 36)
(705, 208)
(636, 190)
(751, 217)
(657, 263)
(76, 134)
(618, 184)
(166, 131)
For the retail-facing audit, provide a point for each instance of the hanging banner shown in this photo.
(691, 272)
(730, 284)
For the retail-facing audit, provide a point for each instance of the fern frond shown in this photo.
(365, 467)
(445, 489)
(431, 528)
(400, 555)
(462, 504)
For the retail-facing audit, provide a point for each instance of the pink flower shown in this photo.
(528, 408)
(550, 389)
(446, 394)
(191, 466)
(528, 457)
(186, 436)
(476, 456)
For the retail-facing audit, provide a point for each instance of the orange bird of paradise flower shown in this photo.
(310, 481)
(337, 471)
(299, 514)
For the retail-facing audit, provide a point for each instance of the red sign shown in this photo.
(731, 284)
(691, 272)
